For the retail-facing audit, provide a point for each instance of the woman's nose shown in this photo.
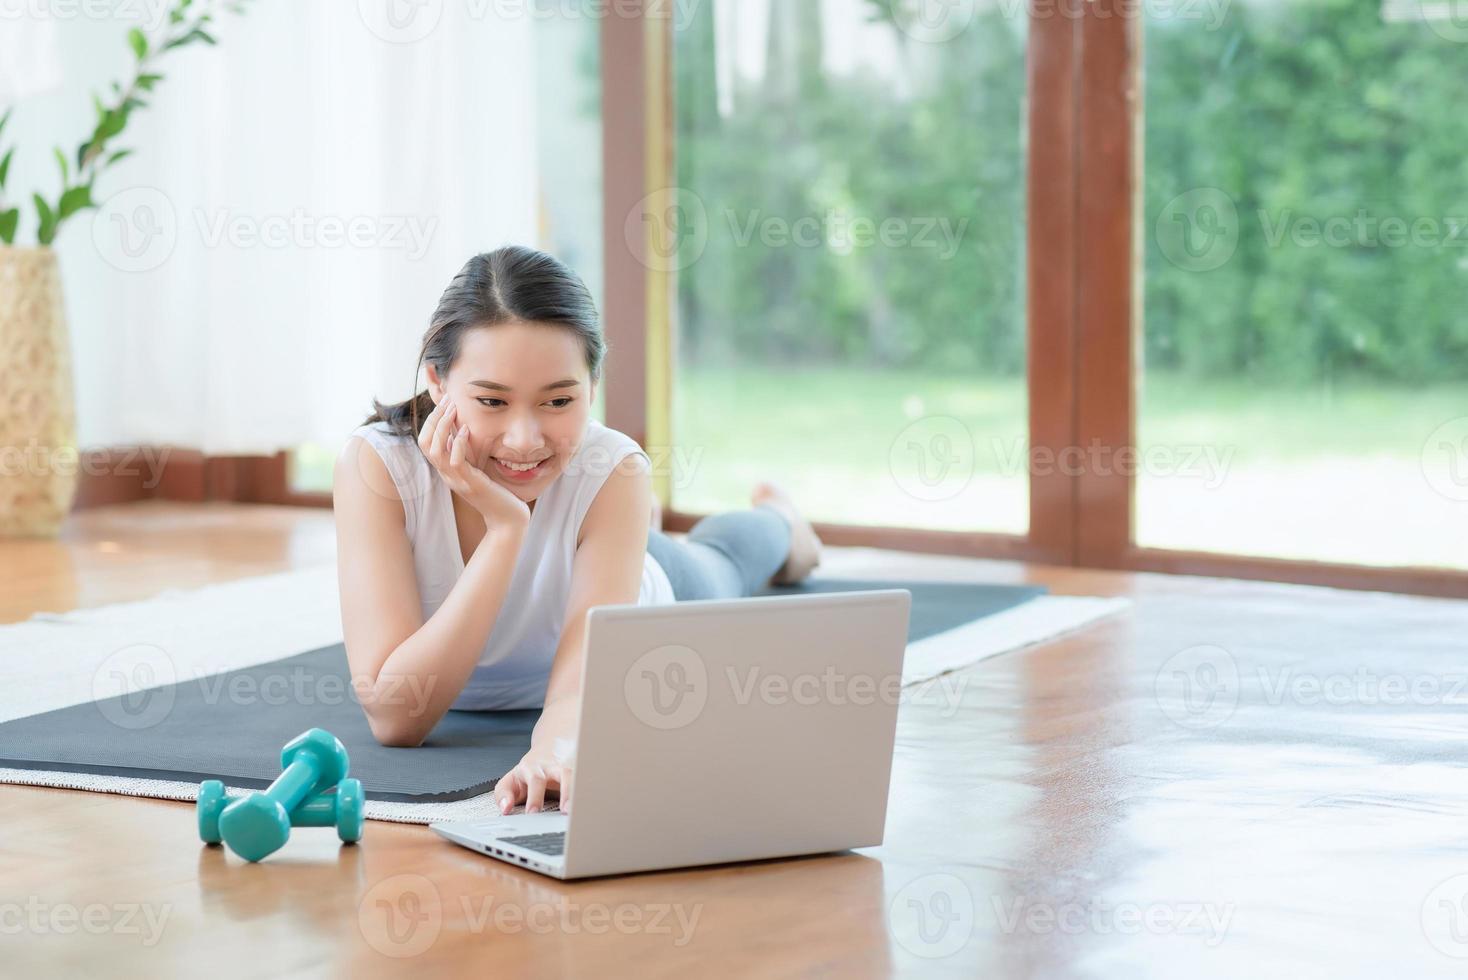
(523, 436)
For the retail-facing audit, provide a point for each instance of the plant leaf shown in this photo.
(5, 118)
(8, 221)
(119, 155)
(47, 230)
(146, 82)
(139, 41)
(65, 167)
(73, 201)
(112, 125)
(5, 166)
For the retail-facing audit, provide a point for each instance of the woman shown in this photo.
(479, 521)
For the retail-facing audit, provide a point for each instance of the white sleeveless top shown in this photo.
(515, 662)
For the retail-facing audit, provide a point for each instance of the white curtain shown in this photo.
(268, 259)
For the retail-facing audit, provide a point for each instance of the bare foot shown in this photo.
(805, 547)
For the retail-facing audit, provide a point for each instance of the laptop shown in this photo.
(721, 730)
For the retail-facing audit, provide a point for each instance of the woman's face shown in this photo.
(524, 391)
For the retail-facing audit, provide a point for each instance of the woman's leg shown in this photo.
(725, 556)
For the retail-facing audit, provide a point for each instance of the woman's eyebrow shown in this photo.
(496, 386)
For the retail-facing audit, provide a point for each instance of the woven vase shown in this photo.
(38, 455)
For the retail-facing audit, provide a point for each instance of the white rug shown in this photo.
(56, 660)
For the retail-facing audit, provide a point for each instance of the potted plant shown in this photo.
(38, 454)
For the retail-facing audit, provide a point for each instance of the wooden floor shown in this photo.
(1234, 779)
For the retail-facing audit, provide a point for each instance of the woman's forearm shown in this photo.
(425, 674)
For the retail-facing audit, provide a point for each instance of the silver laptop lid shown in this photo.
(726, 730)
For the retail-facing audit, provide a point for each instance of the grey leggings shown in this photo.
(724, 556)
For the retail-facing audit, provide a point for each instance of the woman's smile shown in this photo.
(520, 473)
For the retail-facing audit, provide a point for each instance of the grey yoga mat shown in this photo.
(231, 726)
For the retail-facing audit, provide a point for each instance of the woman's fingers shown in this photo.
(459, 447)
(509, 790)
(568, 775)
(535, 791)
(446, 426)
(430, 425)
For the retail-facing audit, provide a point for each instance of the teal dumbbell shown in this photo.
(340, 807)
(258, 825)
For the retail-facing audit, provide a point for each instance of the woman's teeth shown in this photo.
(518, 467)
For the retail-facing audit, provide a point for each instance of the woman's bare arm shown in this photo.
(407, 672)
(607, 571)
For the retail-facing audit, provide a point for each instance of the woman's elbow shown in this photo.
(396, 732)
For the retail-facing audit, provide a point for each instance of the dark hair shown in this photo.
(509, 285)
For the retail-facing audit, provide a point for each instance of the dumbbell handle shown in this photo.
(319, 811)
(295, 783)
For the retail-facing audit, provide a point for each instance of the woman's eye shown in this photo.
(497, 402)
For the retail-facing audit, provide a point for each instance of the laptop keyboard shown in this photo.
(552, 843)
